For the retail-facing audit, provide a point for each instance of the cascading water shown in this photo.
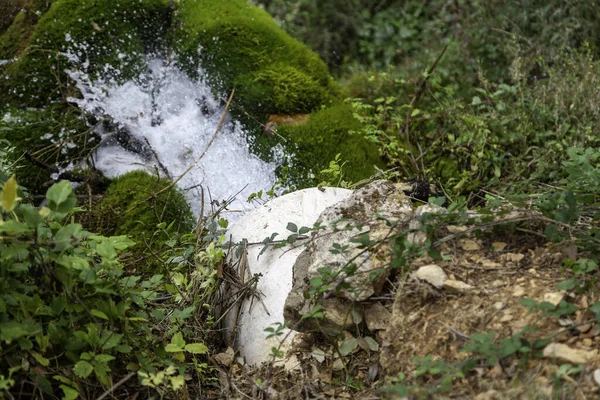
(168, 120)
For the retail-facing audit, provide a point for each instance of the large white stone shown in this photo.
(275, 265)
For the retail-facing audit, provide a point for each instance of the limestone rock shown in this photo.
(454, 286)
(419, 237)
(226, 358)
(432, 274)
(567, 354)
(377, 317)
(274, 266)
(373, 210)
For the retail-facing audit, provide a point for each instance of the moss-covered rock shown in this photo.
(95, 36)
(133, 206)
(241, 46)
(328, 132)
(101, 34)
(54, 136)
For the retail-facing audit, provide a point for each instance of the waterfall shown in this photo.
(163, 122)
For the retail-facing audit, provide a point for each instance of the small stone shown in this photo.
(518, 291)
(567, 354)
(512, 257)
(432, 274)
(456, 228)
(587, 342)
(226, 358)
(506, 318)
(470, 245)
(597, 376)
(498, 246)
(455, 286)
(487, 263)
(554, 297)
(338, 365)
(498, 283)
(377, 317)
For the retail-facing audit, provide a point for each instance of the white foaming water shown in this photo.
(175, 117)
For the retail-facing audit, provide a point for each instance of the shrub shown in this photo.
(71, 319)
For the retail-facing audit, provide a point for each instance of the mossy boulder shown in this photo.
(241, 46)
(107, 34)
(328, 132)
(134, 204)
(54, 136)
(95, 37)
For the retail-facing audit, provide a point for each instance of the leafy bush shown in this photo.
(71, 319)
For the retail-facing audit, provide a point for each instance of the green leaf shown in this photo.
(196, 348)
(13, 330)
(567, 285)
(9, 194)
(348, 347)
(112, 341)
(83, 369)
(40, 359)
(73, 262)
(58, 194)
(178, 340)
(415, 112)
(106, 250)
(185, 313)
(99, 314)
(173, 348)
(373, 345)
(103, 358)
(292, 227)
(70, 393)
(177, 382)
(529, 303)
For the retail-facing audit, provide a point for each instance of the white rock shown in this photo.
(554, 297)
(454, 286)
(597, 376)
(568, 354)
(432, 274)
(301, 208)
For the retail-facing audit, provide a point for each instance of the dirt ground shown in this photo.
(497, 272)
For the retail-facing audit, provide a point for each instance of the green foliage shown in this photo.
(135, 206)
(69, 314)
(7, 167)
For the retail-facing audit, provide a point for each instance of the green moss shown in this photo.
(14, 41)
(125, 210)
(242, 47)
(327, 133)
(113, 33)
(55, 135)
